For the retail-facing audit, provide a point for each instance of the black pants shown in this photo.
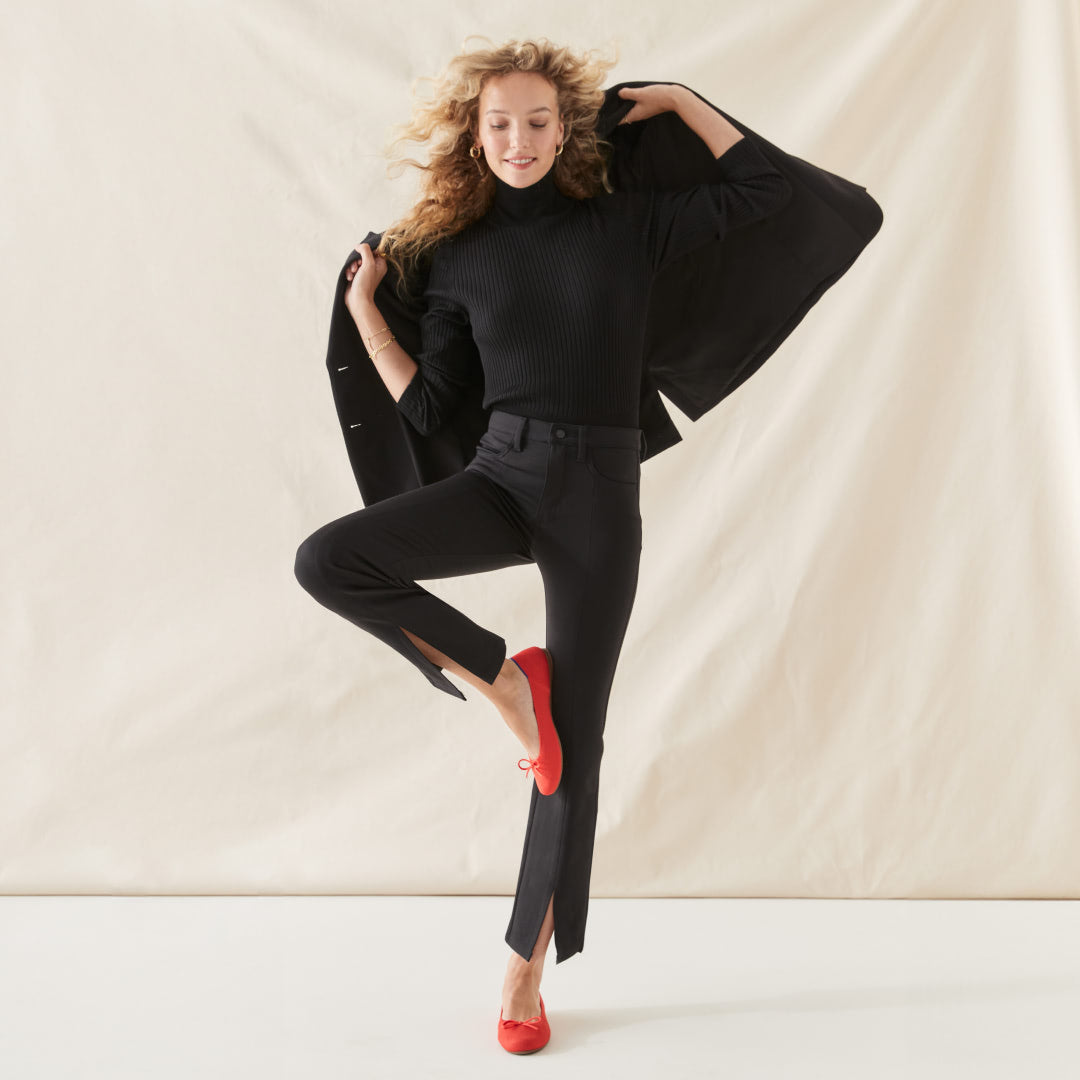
(564, 496)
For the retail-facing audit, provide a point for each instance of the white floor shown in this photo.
(385, 987)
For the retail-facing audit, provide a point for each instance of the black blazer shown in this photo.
(715, 315)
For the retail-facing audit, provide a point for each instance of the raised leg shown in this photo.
(366, 567)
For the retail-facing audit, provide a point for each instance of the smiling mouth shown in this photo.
(520, 161)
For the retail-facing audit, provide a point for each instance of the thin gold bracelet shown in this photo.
(374, 332)
(389, 341)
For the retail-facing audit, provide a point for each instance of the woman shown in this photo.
(537, 280)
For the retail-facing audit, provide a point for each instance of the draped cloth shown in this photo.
(715, 314)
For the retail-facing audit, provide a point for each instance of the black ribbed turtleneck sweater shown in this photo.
(544, 297)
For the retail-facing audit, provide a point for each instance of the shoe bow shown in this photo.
(530, 763)
(533, 1022)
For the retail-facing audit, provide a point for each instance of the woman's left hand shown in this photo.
(648, 100)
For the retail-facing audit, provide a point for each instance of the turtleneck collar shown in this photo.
(539, 199)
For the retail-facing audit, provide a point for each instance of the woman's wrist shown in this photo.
(678, 96)
(368, 319)
(714, 129)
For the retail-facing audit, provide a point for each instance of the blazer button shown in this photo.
(560, 432)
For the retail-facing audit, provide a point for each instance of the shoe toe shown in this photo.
(525, 1036)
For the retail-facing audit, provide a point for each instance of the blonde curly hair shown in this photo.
(453, 193)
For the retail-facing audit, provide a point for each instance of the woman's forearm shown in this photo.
(395, 366)
(717, 132)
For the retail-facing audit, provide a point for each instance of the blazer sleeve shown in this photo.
(448, 362)
(743, 187)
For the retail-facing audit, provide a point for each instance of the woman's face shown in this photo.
(519, 119)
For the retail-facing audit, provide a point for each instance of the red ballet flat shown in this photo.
(535, 662)
(525, 1036)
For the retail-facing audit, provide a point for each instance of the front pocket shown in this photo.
(619, 463)
(494, 445)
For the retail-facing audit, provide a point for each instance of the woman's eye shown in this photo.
(499, 127)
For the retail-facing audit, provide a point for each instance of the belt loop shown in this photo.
(581, 443)
(519, 431)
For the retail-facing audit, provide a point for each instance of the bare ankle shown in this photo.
(512, 694)
(504, 688)
(523, 975)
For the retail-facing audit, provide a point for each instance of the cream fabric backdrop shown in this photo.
(848, 669)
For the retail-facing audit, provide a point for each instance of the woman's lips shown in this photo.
(513, 165)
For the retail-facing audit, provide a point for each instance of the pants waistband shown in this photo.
(523, 428)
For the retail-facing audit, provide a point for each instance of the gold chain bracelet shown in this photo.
(374, 332)
(389, 341)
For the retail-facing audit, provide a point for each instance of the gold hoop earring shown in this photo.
(559, 151)
(474, 151)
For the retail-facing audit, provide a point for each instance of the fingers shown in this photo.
(366, 255)
(354, 265)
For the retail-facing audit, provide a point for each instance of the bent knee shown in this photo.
(335, 557)
(311, 561)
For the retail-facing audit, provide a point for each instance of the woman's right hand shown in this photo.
(364, 275)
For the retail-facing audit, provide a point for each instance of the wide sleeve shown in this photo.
(448, 361)
(743, 186)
